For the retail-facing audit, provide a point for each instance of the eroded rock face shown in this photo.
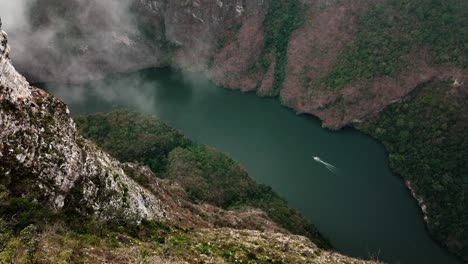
(77, 40)
(13, 86)
(199, 27)
(43, 156)
(86, 39)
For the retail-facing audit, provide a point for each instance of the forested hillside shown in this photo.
(426, 136)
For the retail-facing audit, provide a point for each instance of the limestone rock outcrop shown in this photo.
(43, 155)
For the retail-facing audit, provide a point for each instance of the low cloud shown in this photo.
(74, 40)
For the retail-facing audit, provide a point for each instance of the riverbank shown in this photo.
(419, 199)
(424, 135)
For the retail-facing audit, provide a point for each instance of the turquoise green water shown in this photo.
(363, 208)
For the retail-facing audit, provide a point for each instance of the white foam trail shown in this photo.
(329, 166)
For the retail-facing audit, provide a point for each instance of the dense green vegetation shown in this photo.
(388, 32)
(131, 138)
(200, 168)
(427, 140)
(207, 175)
(282, 19)
(211, 176)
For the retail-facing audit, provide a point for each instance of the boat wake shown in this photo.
(327, 165)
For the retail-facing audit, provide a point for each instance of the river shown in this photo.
(364, 209)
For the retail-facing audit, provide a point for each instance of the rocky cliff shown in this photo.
(43, 154)
(116, 36)
(65, 200)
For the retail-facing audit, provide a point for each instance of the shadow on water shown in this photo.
(364, 209)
